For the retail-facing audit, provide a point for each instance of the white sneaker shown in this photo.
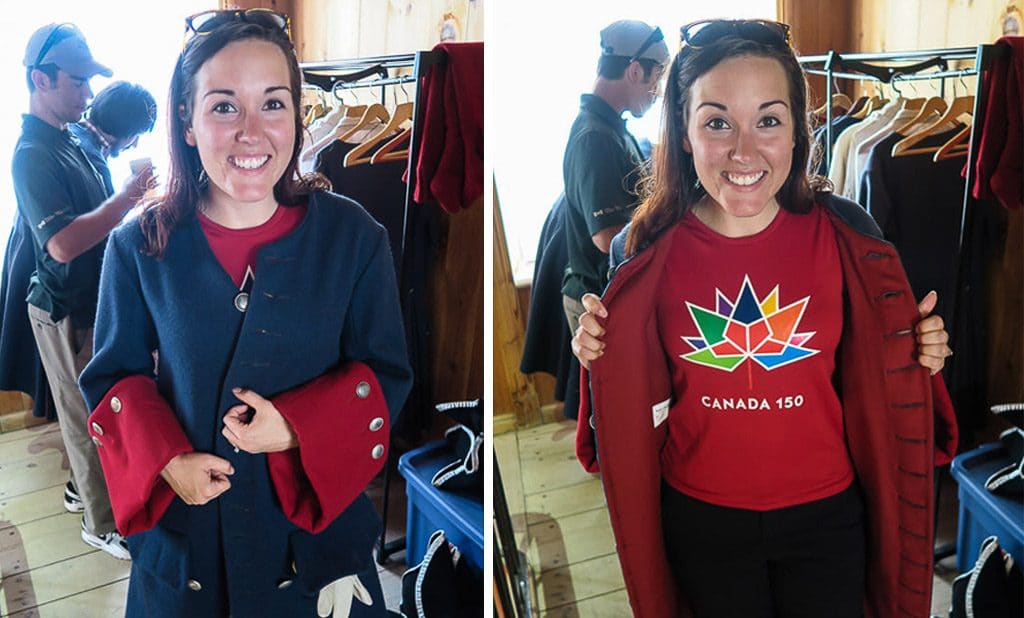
(112, 543)
(72, 501)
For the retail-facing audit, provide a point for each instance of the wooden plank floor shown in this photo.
(568, 540)
(47, 571)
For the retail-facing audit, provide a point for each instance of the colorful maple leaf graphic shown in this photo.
(748, 328)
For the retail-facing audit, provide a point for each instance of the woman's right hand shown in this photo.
(586, 343)
(198, 478)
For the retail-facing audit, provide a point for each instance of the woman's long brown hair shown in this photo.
(671, 187)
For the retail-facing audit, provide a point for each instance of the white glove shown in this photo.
(336, 597)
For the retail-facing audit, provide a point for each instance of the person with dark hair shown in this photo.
(765, 434)
(602, 158)
(113, 122)
(69, 211)
(237, 461)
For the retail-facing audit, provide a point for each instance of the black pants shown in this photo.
(802, 561)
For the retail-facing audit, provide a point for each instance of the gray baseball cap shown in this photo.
(63, 45)
(634, 39)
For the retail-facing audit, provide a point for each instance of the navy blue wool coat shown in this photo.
(322, 337)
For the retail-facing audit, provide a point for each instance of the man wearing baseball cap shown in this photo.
(602, 159)
(69, 211)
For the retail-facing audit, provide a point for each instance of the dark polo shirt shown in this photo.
(93, 148)
(54, 182)
(601, 169)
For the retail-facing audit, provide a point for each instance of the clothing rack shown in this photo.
(865, 67)
(335, 75)
(351, 74)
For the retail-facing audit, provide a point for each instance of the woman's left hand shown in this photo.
(932, 338)
(262, 431)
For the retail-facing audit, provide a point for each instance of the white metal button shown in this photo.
(377, 452)
(97, 428)
(242, 301)
(115, 404)
(96, 441)
(376, 424)
(194, 585)
(284, 584)
(363, 390)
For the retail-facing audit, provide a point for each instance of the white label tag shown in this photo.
(660, 411)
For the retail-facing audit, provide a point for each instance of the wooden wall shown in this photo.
(515, 397)
(340, 29)
(331, 29)
(882, 25)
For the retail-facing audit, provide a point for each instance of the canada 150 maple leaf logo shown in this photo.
(748, 328)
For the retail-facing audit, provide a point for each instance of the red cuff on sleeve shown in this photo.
(136, 433)
(342, 424)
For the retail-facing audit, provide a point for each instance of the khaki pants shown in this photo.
(64, 351)
(573, 310)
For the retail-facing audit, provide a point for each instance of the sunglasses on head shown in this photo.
(702, 33)
(653, 38)
(206, 22)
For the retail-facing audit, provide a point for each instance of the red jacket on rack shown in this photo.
(895, 416)
(1000, 164)
(450, 166)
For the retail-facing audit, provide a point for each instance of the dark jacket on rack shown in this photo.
(895, 416)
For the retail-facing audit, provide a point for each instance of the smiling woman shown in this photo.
(761, 337)
(222, 461)
(244, 130)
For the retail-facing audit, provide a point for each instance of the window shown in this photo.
(139, 41)
(544, 55)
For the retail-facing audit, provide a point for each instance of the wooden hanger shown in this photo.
(912, 105)
(355, 111)
(387, 152)
(841, 104)
(858, 104)
(315, 112)
(959, 107)
(957, 146)
(375, 112)
(874, 102)
(931, 106)
(356, 156)
(340, 120)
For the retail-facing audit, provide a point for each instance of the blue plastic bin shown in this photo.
(430, 509)
(982, 513)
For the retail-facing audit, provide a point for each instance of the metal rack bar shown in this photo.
(951, 53)
(854, 66)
